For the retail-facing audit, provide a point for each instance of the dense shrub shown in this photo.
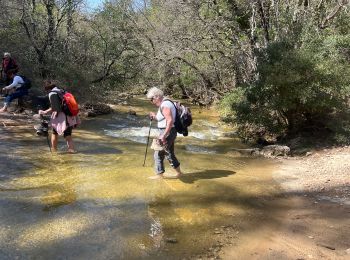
(298, 89)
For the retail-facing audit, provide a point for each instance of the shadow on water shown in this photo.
(208, 174)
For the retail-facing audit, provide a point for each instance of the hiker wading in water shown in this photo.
(61, 123)
(167, 133)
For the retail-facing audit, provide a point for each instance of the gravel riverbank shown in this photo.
(313, 211)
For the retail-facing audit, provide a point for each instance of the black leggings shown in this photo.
(67, 132)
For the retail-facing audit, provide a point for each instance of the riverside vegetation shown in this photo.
(279, 69)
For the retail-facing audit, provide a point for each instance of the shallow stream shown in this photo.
(100, 204)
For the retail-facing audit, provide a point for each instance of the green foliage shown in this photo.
(297, 88)
(229, 103)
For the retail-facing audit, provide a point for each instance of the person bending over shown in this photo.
(61, 123)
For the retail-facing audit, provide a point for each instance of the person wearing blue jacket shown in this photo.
(16, 90)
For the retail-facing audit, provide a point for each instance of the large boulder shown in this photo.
(92, 110)
(266, 151)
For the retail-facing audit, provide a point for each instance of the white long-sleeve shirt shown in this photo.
(17, 83)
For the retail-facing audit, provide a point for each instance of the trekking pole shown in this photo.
(47, 134)
(48, 142)
(149, 133)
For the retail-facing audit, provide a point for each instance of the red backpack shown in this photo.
(69, 104)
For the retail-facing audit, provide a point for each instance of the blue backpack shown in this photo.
(27, 83)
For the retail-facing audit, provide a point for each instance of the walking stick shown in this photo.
(149, 132)
(47, 133)
(48, 142)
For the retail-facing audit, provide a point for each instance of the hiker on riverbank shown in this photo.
(61, 123)
(8, 64)
(165, 117)
(15, 90)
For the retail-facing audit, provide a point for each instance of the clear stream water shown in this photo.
(100, 204)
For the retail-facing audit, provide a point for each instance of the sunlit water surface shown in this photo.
(100, 204)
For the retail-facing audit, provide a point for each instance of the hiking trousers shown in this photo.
(168, 153)
(20, 92)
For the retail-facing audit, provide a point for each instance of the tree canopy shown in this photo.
(280, 66)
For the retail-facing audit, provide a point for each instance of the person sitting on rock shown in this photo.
(16, 89)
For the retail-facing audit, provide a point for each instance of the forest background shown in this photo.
(275, 69)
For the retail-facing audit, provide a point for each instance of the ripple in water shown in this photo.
(199, 149)
(135, 134)
(210, 134)
(128, 130)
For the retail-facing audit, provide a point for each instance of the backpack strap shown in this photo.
(166, 99)
(59, 92)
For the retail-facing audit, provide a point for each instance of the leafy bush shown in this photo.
(298, 89)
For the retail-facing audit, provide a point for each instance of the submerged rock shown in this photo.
(92, 110)
(132, 112)
(275, 150)
(248, 151)
(171, 240)
(266, 151)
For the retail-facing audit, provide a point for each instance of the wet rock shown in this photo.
(90, 114)
(230, 134)
(125, 95)
(275, 150)
(132, 112)
(252, 151)
(172, 240)
(267, 151)
(92, 110)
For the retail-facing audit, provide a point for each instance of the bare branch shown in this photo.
(333, 14)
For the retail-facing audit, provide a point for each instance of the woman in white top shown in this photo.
(16, 85)
(167, 133)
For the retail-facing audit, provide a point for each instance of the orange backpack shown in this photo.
(69, 104)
